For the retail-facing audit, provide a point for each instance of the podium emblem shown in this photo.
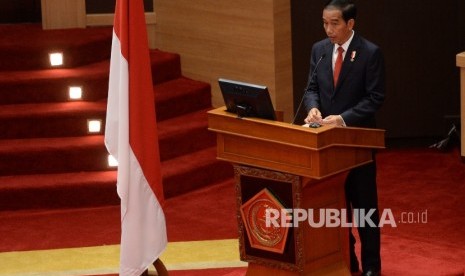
(271, 237)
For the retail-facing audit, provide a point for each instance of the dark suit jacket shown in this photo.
(360, 89)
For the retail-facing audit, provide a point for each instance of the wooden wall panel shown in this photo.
(283, 59)
(62, 14)
(242, 40)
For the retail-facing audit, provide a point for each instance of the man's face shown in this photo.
(337, 30)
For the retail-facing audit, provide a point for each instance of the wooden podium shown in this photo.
(290, 167)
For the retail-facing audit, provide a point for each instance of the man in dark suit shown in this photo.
(346, 88)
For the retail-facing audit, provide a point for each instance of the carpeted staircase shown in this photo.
(47, 157)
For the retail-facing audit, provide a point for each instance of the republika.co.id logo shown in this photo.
(339, 218)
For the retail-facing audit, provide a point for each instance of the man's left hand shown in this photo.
(335, 120)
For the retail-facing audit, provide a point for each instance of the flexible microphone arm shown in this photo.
(310, 80)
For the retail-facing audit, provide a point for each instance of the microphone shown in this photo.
(309, 81)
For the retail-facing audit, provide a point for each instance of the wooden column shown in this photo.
(461, 64)
(63, 14)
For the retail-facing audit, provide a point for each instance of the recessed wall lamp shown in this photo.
(56, 59)
(94, 125)
(75, 92)
(112, 162)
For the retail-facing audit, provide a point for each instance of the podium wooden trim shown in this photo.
(305, 168)
(290, 148)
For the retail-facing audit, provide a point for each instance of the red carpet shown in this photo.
(420, 180)
(189, 217)
(56, 192)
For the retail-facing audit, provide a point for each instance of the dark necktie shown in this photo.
(338, 64)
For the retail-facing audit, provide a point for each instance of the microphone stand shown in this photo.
(310, 80)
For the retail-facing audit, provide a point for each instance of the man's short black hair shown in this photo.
(347, 7)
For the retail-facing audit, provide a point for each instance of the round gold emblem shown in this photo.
(267, 236)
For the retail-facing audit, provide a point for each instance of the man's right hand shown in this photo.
(314, 116)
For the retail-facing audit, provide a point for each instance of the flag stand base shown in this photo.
(159, 267)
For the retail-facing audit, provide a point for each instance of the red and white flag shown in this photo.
(131, 137)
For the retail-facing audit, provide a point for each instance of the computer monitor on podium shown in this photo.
(246, 99)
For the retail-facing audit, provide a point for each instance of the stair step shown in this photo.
(192, 171)
(49, 120)
(181, 96)
(52, 155)
(87, 45)
(184, 134)
(51, 85)
(61, 190)
(98, 188)
(165, 66)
